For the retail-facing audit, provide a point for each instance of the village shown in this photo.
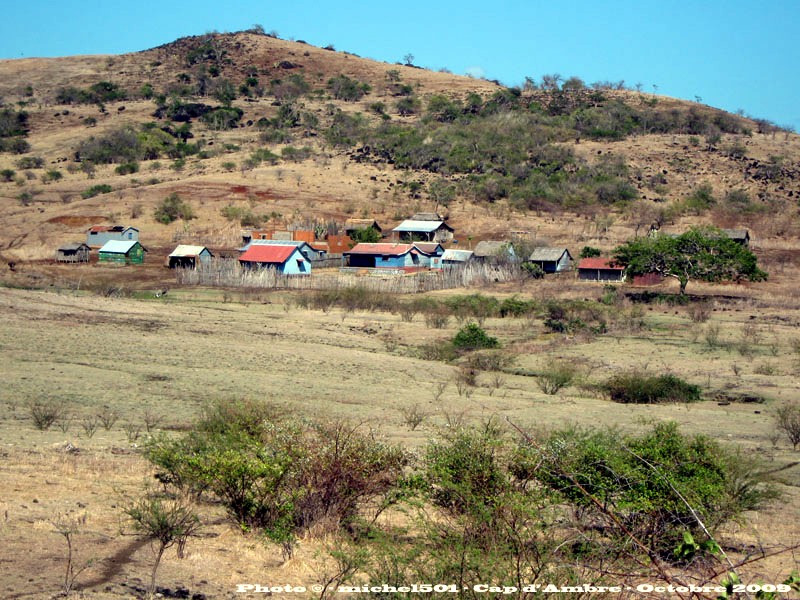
(423, 243)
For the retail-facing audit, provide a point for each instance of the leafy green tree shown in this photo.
(367, 235)
(706, 254)
(590, 252)
(472, 337)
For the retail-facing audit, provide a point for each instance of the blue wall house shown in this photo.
(551, 260)
(186, 256)
(430, 254)
(100, 234)
(284, 259)
(384, 256)
(453, 257)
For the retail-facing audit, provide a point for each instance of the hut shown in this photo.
(455, 258)
(187, 257)
(494, 251)
(284, 259)
(73, 253)
(551, 260)
(351, 225)
(424, 231)
(119, 251)
(740, 236)
(600, 269)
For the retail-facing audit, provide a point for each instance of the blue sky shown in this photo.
(731, 54)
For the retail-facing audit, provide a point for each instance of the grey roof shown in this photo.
(73, 246)
(737, 234)
(493, 248)
(119, 246)
(420, 226)
(545, 254)
(295, 243)
(454, 255)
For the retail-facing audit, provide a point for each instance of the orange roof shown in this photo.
(599, 263)
(385, 249)
(267, 254)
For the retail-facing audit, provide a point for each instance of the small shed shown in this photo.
(119, 251)
(551, 260)
(600, 269)
(740, 236)
(351, 225)
(187, 256)
(454, 258)
(424, 231)
(494, 251)
(100, 234)
(77, 252)
(383, 256)
(285, 259)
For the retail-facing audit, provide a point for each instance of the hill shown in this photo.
(250, 130)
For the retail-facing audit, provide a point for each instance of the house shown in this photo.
(288, 235)
(600, 269)
(384, 256)
(424, 230)
(493, 251)
(551, 260)
(351, 225)
(455, 258)
(307, 250)
(187, 257)
(740, 236)
(285, 259)
(100, 234)
(430, 254)
(77, 252)
(122, 251)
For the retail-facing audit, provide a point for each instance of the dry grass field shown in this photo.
(155, 362)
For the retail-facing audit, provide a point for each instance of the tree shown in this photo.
(165, 523)
(173, 208)
(706, 254)
(368, 235)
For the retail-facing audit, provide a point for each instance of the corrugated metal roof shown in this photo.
(118, 246)
(454, 255)
(268, 254)
(599, 263)
(548, 254)
(429, 247)
(187, 250)
(383, 249)
(420, 226)
(736, 234)
(73, 246)
(291, 243)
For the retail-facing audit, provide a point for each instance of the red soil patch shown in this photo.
(76, 220)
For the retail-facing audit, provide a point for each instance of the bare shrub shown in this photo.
(413, 416)
(44, 413)
(132, 431)
(68, 526)
(107, 417)
(787, 420)
(90, 425)
(438, 390)
(437, 319)
(699, 312)
(151, 420)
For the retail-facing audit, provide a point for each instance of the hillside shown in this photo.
(293, 134)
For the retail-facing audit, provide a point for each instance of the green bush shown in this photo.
(472, 337)
(96, 190)
(173, 208)
(638, 388)
(343, 87)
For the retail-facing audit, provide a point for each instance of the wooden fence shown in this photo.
(229, 273)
